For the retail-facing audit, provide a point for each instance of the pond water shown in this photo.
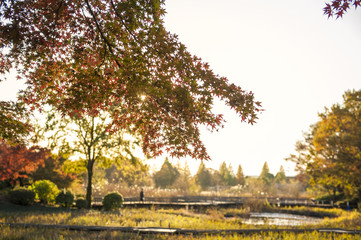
(279, 219)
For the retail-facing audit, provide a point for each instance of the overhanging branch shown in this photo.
(110, 47)
(122, 20)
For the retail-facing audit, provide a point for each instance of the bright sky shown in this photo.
(287, 52)
(294, 59)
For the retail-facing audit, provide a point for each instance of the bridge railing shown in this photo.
(220, 199)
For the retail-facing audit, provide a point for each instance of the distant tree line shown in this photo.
(40, 164)
(327, 161)
(223, 179)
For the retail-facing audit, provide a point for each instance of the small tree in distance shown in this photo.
(203, 176)
(184, 180)
(240, 176)
(166, 176)
(227, 174)
(280, 176)
(266, 177)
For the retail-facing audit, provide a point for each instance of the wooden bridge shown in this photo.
(218, 201)
(169, 231)
(160, 230)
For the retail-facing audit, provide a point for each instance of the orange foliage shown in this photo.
(19, 161)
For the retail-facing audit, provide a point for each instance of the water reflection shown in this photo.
(279, 219)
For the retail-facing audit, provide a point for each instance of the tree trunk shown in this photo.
(21, 182)
(89, 186)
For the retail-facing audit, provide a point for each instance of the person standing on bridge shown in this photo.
(141, 195)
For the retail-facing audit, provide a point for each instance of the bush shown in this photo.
(65, 198)
(329, 198)
(81, 203)
(4, 185)
(22, 196)
(257, 205)
(45, 190)
(112, 201)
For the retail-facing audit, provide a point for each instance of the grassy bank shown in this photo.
(180, 218)
(314, 212)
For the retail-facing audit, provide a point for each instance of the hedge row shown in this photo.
(47, 192)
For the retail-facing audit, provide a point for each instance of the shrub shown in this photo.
(4, 184)
(257, 205)
(22, 196)
(45, 191)
(112, 201)
(65, 198)
(81, 203)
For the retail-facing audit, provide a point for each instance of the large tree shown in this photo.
(337, 143)
(86, 56)
(89, 140)
(331, 151)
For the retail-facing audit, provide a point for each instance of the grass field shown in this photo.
(181, 218)
(35, 233)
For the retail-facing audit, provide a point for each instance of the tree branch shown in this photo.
(110, 47)
(57, 12)
(126, 28)
(122, 20)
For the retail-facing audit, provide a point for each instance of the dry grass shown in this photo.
(180, 218)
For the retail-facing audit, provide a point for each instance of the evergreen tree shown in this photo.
(231, 178)
(183, 180)
(281, 175)
(265, 170)
(223, 172)
(203, 176)
(240, 176)
(227, 174)
(265, 175)
(166, 176)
